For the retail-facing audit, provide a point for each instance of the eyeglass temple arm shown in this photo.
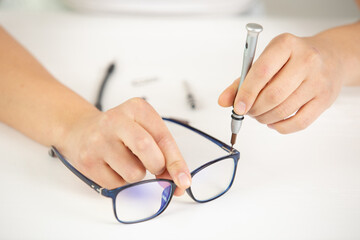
(212, 139)
(53, 152)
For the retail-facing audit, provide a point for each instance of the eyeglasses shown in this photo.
(147, 199)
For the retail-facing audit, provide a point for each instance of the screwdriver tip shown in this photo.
(233, 139)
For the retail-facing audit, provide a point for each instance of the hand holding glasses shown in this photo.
(144, 200)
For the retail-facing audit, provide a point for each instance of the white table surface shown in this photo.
(300, 186)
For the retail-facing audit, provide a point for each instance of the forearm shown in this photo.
(31, 100)
(344, 44)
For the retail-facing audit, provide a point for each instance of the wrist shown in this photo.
(71, 123)
(342, 48)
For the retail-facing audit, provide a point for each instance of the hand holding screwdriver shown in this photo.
(296, 79)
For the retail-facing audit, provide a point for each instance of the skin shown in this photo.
(296, 79)
(112, 148)
(293, 74)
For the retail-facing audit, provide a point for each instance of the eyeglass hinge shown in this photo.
(98, 190)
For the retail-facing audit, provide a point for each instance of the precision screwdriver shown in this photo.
(253, 30)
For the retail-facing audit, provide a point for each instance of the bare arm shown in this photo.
(111, 148)
(32, 101)
(343, 45)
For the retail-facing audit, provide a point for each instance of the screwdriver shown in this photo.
(253, 30)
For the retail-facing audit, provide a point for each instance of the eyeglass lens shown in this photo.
(142, 201)
(213, 180)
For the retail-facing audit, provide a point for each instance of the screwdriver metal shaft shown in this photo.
(253, 30)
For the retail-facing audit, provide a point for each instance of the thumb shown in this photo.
(179, 172)
(244, 100)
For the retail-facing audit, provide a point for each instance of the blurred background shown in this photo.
(278, 8)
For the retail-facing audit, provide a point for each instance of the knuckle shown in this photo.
(135, 175)
(313, 84)
(287, 39)
(86, 162)
(143, 143)
(159, 168)
(108, 119)
(109, 182)
(173, 165)
(325, 87)
(325, 94)
(138, 103)
(281, 112)
(165, 142)
(156, 165)
(262, 71)
(312, 57)
(273, 95)
(96, 139)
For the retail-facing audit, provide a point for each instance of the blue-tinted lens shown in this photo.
(142, 201)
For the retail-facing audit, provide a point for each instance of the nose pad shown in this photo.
(165, 196)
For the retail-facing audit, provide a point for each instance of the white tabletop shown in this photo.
(300, 186)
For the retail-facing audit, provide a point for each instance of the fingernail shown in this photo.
(184, 180)
(240, 108)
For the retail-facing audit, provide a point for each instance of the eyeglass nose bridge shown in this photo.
(166, 194)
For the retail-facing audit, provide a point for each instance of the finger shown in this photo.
(142, 144)
(105, 176)
(125, 163)
(302, 119)
(166, 175)
(297, 99)
(148, 118)
(227, 97)
(273, 58)
(284, 83)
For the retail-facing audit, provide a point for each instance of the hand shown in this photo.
(116, 147)
(292, 75)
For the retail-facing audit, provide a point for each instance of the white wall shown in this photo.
(312, 8)
(281, 8)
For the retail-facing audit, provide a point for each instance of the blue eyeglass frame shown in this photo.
(112, 193)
